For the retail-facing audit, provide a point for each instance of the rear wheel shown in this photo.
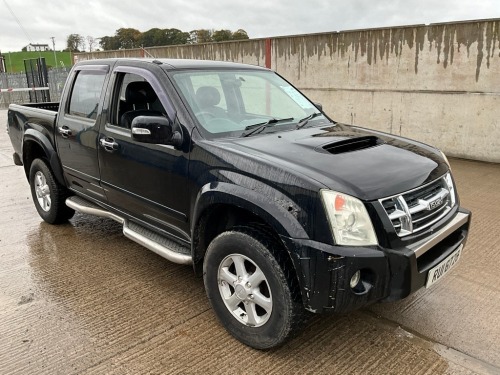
(48, 195)
(248, 289)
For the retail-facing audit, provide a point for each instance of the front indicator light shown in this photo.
(451, 188)
(445, 159)
(349, 220)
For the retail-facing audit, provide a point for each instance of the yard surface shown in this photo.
(80, 298)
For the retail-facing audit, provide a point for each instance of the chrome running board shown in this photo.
(153, 241)
(86, 207)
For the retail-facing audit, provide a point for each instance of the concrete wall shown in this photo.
(248, 52)
(439, 84)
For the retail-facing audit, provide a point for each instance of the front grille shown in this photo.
(419, 208)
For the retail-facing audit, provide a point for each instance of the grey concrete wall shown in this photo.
(248, 52)
(439, 84)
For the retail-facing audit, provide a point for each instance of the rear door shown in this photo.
(78, 129)
(147, 181)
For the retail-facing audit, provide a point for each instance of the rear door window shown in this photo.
(86, 94)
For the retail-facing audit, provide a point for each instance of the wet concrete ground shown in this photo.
(82, 299)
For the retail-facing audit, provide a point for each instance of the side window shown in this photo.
(86, 94)
(133, 96)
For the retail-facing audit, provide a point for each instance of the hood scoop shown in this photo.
(352, 144)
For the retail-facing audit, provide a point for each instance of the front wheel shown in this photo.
(48, 195)
(248, 289)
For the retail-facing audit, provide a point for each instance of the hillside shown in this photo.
(14, 61)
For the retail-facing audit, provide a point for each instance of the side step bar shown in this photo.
(86, 207)
(153, 241)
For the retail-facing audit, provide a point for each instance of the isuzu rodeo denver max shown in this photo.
(230, 168)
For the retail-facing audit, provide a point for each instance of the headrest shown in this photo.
(207, 96)
(140, 93)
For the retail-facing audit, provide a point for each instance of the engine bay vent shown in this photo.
(352, 144)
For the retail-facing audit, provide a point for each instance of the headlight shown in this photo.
(349, 220)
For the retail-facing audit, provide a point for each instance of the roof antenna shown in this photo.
(146, 52)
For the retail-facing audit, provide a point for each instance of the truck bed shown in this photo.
(49, 106)
(25, 116)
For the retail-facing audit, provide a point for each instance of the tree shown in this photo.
(222, 35)
(75, 42)
(153, 37)
(175, 37)
(125, 38)
(163, 37)
(201, 36)
(128, 38)
(239, 34)
(91, 42)
(109, 43)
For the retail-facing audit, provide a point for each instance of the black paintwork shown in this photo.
(363, 173)
(273, 176)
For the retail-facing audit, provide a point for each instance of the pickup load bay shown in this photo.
(228, 167)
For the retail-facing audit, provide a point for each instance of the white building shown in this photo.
(37, 47)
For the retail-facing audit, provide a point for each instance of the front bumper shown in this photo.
(325, 271)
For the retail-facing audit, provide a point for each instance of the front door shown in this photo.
(77, 129)
(147, 181)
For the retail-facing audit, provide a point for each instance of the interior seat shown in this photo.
(208, 98)
(139, 96)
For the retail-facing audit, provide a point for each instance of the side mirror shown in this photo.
(318, 105)
(155, 129)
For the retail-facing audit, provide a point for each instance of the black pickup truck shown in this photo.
(229, 168)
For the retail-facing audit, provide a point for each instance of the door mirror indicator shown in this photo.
(155, 129)
(141, 131)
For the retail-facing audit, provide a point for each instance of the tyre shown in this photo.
(48, 195)
(248, 290)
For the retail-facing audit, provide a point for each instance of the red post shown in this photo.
(268, 52)
(268, 65)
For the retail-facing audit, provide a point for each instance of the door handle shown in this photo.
(64, 131)
(109, 144)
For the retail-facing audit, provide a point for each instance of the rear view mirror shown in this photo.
(155, 129)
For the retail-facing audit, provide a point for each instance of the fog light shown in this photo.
(355, 279)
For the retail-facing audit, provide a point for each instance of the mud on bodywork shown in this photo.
(325, 272)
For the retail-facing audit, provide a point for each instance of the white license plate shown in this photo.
(444, 267)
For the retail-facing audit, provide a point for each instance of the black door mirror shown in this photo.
(319, 106)
(155, 129)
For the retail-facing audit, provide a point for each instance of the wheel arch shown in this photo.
(222, 206)
(37, 145)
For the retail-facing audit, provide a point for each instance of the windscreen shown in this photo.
(229, 103)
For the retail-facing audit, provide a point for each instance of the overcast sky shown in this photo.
(59, 18)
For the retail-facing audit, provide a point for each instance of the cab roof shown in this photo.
(174, 64)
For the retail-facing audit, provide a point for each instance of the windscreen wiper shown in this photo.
(305, 120)
(259, 127)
